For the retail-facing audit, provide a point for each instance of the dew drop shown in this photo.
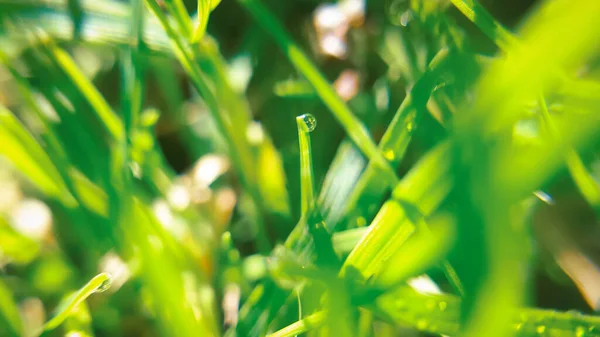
(410, 126)
(422, 324)
(310, 121)
(406, 17)
(104, 285)
(580, 331)
(430, 305)
(545, 197)
(519, 326)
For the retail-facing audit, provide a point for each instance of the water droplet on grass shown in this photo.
(105, 285)
(310, 121)
(422, 324)
(580, 331)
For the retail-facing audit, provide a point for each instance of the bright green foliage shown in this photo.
(181, 162)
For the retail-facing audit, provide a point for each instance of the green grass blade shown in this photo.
(204, 9)
(48, 131)
(504, 39)
(306, 124)
(369, 188)
(583, 179)
(104, 112)
(29, 157)
(133, 70)
(440, 314)
(351, 124)
(417, 195)
(236, 143)
(302, 326)
(9, 312)
(485, 199)
(99, 283)
(482, 19)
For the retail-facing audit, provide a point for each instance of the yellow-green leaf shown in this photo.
(204, 9)
(24, 152)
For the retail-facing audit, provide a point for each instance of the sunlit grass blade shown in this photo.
(369, 188)
(440, 314)
(294, 88)
(99, 283)
(133, 70)
(186, 305)
(48, 133)
(29, 157)
(304, 325)
(306, 124)
(418, 194)
(339, 183)
(484, 195)
(583, 179)
(421, 252)
(236, 143)
(9, 312)
(482, 19)
(351, 124)
(204, 9)
(102, 109)
(503, 38)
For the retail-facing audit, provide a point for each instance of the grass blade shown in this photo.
(237, 146)
(306, 124)
(30, 158)
(583, 179)
(99, 283)
(104, 112)
(370, 188)
(354, 128)
(9, 312)
(482, 19)
(304, 325)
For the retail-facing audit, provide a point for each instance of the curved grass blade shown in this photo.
(351, 124)
(583, 179)
(98, 284)
(29, 157)
(369, 189)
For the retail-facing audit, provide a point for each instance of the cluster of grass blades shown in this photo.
(422, 223)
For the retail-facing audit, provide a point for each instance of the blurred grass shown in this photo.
(158, 147)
